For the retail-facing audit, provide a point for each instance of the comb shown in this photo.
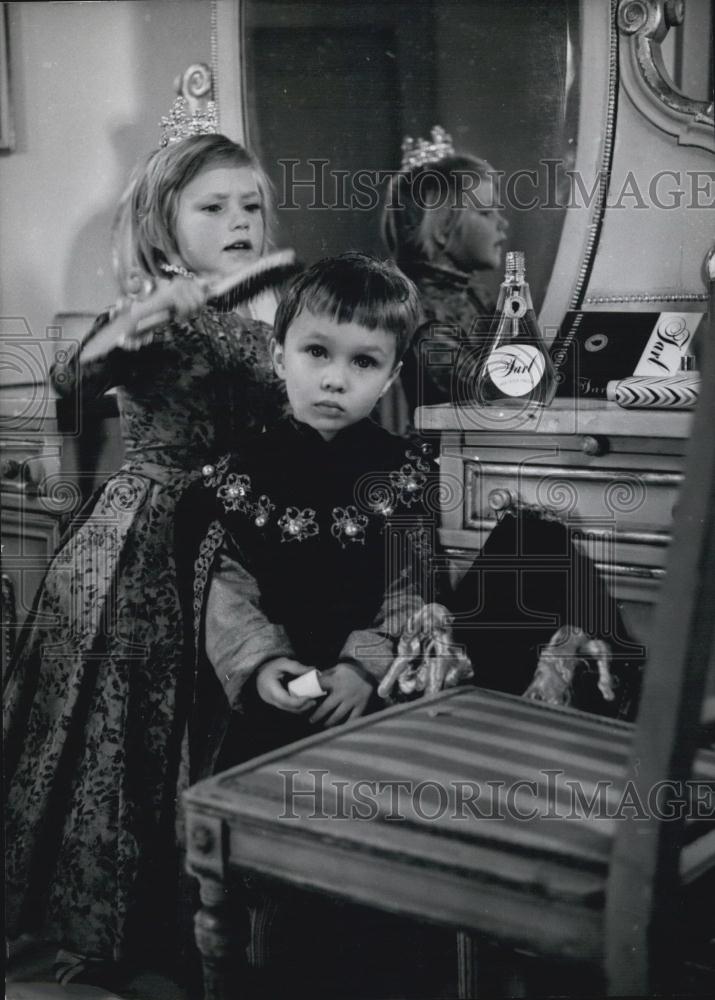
(236, 289)
(267, 272)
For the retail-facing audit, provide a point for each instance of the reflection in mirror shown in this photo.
(332, 90)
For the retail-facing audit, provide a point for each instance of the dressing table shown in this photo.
(612, 475)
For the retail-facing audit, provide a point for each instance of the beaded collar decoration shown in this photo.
(176, 269)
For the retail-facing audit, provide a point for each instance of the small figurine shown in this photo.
(427, 659)
(554, 675)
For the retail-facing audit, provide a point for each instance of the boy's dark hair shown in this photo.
(354, 288)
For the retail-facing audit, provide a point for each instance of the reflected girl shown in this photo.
(442, 224)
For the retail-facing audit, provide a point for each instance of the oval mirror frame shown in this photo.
(643, 25)
(598, 89)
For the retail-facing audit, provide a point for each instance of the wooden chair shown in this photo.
(642, 923)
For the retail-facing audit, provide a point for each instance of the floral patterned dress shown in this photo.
(97, 697)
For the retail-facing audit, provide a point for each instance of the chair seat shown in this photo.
(503, 823)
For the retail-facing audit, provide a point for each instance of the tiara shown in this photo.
(182, 122)
(416, 152)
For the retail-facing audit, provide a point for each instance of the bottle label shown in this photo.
(515, 306)
(516, 369)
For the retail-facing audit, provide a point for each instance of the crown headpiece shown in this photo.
(182, 122)
(416, 152)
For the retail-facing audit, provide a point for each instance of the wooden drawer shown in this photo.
(612, 475)
(619, 501)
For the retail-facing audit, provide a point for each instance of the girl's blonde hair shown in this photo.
(416, 198)
(143, 234)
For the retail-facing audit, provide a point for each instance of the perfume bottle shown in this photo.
(516, 364)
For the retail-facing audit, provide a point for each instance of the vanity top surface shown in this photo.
(563, 416)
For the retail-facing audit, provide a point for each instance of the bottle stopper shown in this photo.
(306, 686)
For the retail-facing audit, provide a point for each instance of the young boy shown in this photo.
(311, 559)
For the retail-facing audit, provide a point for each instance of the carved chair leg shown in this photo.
(486, 970)
(467, 964)
(221, 943)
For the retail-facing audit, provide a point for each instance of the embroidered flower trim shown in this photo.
(297, 525)
(213, 474)
(211, 542)
(409, 483)
(262, 511)
(234, 494)
(348, 526)
(384, 505)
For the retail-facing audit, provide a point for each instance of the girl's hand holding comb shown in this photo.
(178, 298)
(135, 321)
(225, 292)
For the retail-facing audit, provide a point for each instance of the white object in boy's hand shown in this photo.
(306, 686)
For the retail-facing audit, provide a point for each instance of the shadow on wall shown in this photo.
(89, 261)
(167, 36)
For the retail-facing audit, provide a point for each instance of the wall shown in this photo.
(89, 84)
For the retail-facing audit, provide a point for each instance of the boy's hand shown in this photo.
(270, 684)
(348, 694)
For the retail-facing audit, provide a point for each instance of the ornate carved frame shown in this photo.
(643, 25)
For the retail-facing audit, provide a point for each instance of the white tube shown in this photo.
(306, 686)
(674, 392)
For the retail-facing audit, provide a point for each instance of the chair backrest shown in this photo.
(642, 916)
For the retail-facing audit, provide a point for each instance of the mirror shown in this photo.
(330, 91)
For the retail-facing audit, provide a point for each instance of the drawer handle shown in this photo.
(592, 445)
(202, 838)
(10, 469)
(501, 499)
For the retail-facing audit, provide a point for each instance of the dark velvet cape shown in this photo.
(330, 531)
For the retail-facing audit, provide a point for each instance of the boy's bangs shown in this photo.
(367, 303)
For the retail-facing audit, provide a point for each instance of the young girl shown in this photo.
(96, 702)
(442, 225)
